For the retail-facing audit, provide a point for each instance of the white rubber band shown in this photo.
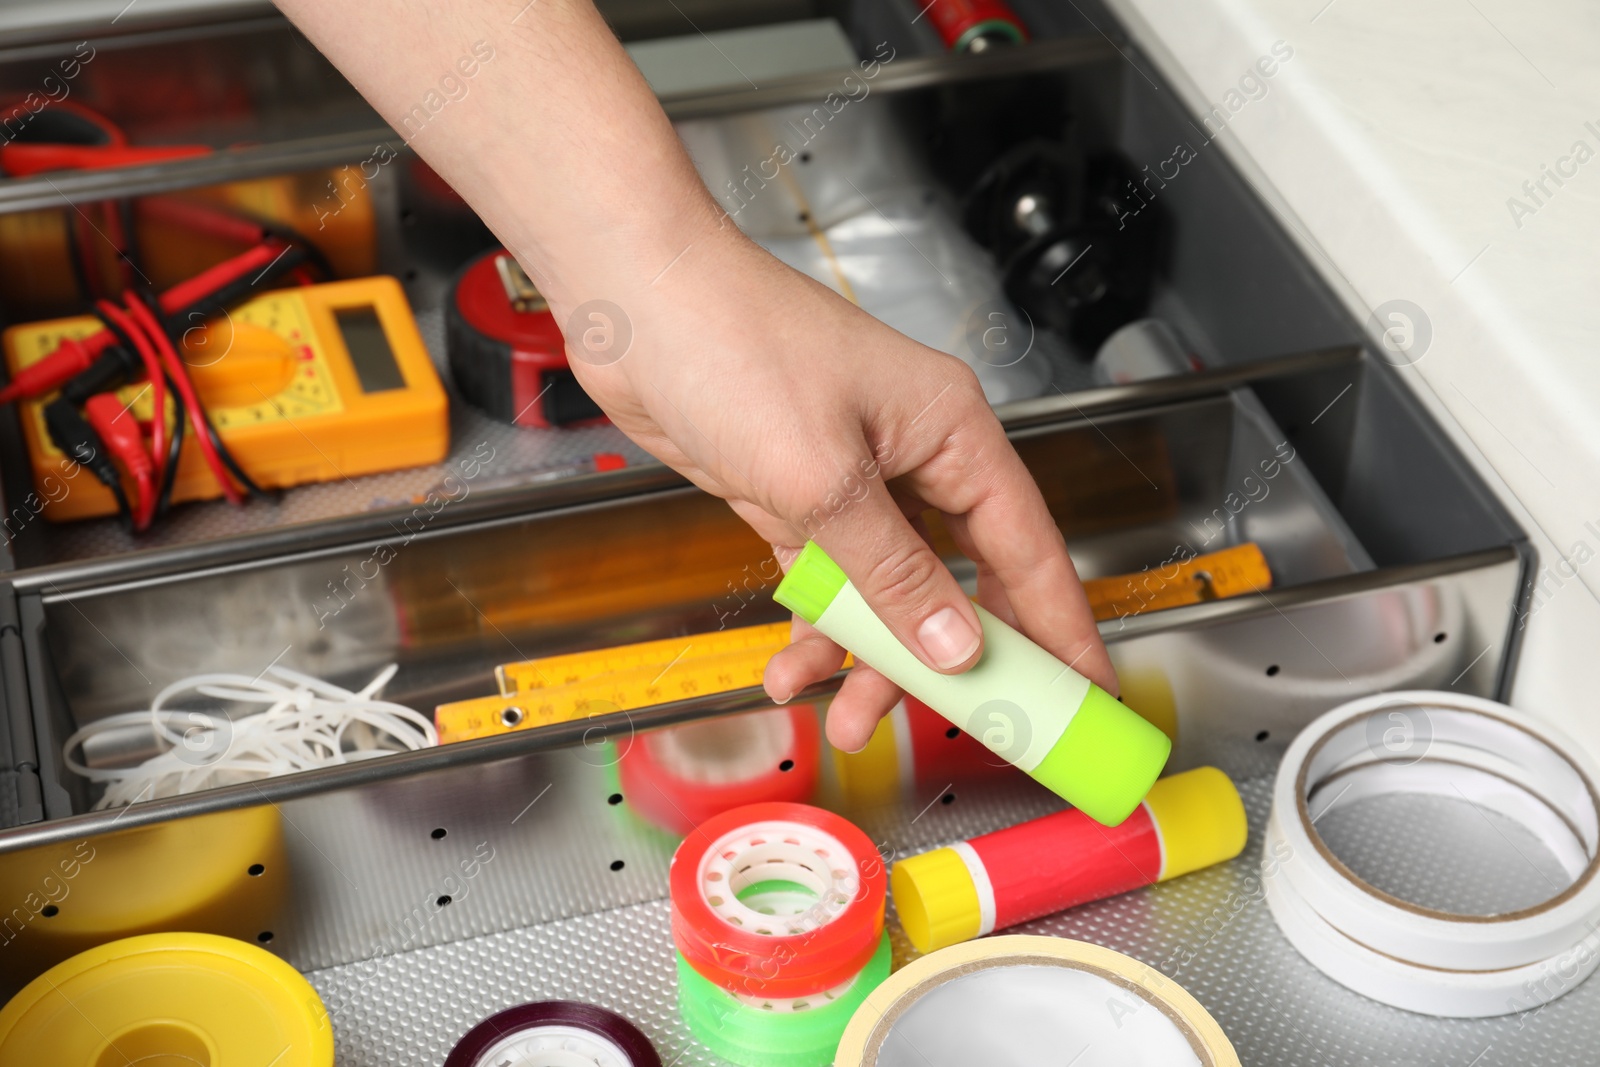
(1418, 958)
(306, 723)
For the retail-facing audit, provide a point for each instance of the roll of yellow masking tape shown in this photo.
(1022, 999)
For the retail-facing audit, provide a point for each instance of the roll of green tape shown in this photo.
(1020, 701)
(802, 1032)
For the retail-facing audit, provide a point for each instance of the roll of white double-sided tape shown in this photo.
(1454, 779)
(1424, 959)
(1426, 990)
(1024, 999)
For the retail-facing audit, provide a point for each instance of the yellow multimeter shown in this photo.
(305, 384)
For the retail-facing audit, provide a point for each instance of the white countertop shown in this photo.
(1394, 139)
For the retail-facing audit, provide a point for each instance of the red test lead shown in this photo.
(73, 356)
(119, 430)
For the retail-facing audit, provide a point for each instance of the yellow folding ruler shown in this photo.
(1213, 576)
(580, 685)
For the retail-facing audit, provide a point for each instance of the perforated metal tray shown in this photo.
(1211, 931)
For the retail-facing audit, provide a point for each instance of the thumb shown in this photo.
(905, 583)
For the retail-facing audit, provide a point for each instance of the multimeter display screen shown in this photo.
(369, 349)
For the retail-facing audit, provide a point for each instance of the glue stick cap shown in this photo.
(1201, 819)
(937, 899)
(1078, 741)
(811, 584)
(1106, 760)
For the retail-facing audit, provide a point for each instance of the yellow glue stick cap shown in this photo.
(936, 899)
(1201, 820)
(167, 998)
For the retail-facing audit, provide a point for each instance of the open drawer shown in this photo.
(1132, 474)
(424, 890)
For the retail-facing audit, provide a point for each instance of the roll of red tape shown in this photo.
(680, 776)
(777, 899)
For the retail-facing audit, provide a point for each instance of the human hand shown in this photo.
(816, 421)
(758, 384)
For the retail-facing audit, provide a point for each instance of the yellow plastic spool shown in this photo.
(167, 1000)
(224, 873)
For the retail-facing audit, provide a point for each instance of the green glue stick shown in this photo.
(1021, 702)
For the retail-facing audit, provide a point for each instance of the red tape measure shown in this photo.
(507, 354)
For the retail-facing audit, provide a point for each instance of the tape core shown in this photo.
(778, 878)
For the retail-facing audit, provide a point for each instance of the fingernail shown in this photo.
(948, 638)
(785, 700)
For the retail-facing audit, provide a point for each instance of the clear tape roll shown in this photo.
(554, 1033)
(1021, 998)
(1414, 957)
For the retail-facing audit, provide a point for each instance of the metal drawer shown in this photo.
(1393, 566)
